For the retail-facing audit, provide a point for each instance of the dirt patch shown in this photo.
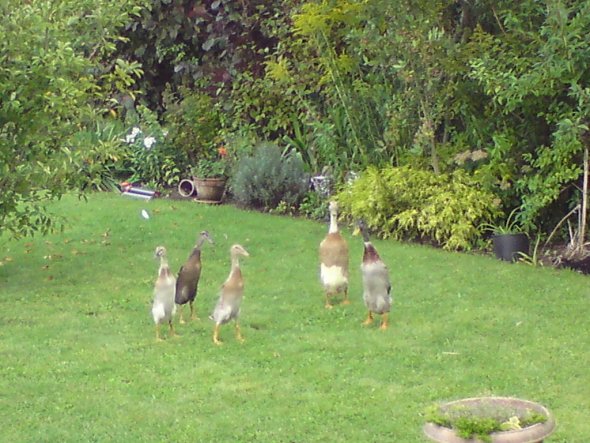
(581, 265)
(173, 194)
(559, 255)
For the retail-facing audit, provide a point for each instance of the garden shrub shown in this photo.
(194, 123)
(314, 206)
(104, 151)
(57, 77)
(406, 203)
(151, 159)
(269, 178)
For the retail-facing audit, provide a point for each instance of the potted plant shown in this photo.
(509, 240)
(489, 420)
(210, 176)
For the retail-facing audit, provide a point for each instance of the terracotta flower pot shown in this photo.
(186, 188)
(530, 434)
(209, 189)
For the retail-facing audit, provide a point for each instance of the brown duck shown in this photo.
(230, 296)
(188, 277)
(334, 260)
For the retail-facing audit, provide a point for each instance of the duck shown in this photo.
(189, 274)
(334, 260)
(230, 296)
(163, 306)
(376, 281)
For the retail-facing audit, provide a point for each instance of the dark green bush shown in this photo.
(269, 178)
(408, 203)
(314, 206)
(194, 123)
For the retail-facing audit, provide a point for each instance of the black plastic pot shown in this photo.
(508, 247)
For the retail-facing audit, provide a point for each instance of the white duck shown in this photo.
(163, 307)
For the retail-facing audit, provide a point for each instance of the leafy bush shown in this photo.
(104, 153)
(57, 75)
(413, 204)
(187, 42)
(194, 124)
(269, 177)
(151, 158)
(217, 167)
(314, 206)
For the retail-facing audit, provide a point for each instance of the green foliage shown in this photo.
(426, 73)
(330, 31)
(535, 72)
(151, 159)
(415, 204)
(184, 42)
(194, 124)
(396, 86)
(510, 226)
(469, 427)
(269, 177)
(314, 206)
(54, 82)
(283, 208)
(481, 422)
(508, 80)
(105, 154)
(534, 258)
(213, 167)
(336, 82)
(270, 105)
(531, 418)
(333, 80)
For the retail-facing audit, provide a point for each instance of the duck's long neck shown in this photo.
(235, 262)
(235, 267)
(370, 254)
(164, 268)
(199, 244)
(333, 222)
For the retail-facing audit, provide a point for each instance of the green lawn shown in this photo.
(80, 362)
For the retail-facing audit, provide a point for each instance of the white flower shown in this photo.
(130, 138)
(148, 142)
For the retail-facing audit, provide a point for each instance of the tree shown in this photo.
(204, 43)
(537, 75)
(53, 83)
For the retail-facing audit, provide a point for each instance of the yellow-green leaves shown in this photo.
(408, 203)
